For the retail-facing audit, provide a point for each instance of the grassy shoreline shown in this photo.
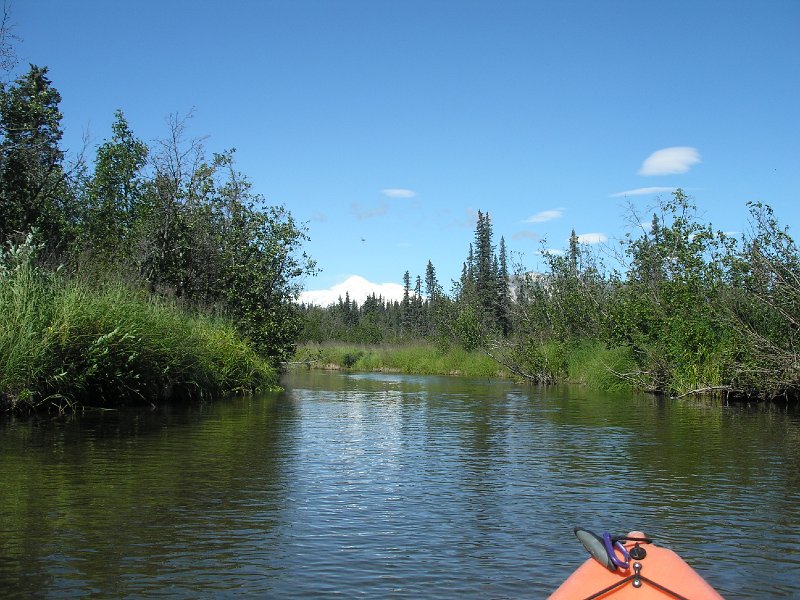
(65, 344)
(414, 358)
(588, 363)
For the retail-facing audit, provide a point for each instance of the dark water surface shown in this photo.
(389, 486)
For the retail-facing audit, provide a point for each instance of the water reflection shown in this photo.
(134, 500)
(382, 485)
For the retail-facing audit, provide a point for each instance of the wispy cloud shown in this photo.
(645, 191)
(398, 193)
(467, 220)
(592, 238)
(668, 161)
(526, 235)
(319, 217)
(545, 215)
(555, 251)
(362, 212)
(357, 287)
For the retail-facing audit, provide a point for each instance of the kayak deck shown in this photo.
(659, 574)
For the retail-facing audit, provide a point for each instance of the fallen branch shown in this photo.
(516, 370)
(705, 390)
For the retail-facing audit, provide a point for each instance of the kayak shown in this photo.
(632, 566)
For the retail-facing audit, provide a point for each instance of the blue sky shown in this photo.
(386, 125)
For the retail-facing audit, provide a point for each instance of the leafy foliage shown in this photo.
(763, 300)
(165, 218)
(693, 310)
(113, 196)
(668, 308)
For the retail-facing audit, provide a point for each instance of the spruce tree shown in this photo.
(431, 284)
(503, 296)
(33, 190)
(485, 271)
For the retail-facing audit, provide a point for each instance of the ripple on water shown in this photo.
(387, 486)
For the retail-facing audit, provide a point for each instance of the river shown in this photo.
(392, 486)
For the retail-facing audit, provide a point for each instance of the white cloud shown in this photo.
(398, 193)
(526, 235)
(592, 238)
(645, 191)
(555, 251)
(545, 215)
(668, 161)
(358, 288)
(368, 212)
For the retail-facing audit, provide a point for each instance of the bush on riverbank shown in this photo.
(680, 309)
(65, 343)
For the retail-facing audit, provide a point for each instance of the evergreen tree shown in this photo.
(470, 266)
(405, 306)
(503, 295)
(485, 272)
(406, 290)
(418, 313)
(33, 190)
(431, 284)
(433, 295)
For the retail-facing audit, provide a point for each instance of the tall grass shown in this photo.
(64, 342)
(420, 358)
(593, 364)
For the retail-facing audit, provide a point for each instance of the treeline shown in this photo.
(480, 302)
(677, 308)
(167, 220)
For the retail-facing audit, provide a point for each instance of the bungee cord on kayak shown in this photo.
(637, 578)
(613, 558)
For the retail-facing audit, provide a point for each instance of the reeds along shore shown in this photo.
(66, 343)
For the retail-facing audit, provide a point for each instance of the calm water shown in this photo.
(388, 486)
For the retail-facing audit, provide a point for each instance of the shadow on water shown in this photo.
(394, 486)
(119, 502)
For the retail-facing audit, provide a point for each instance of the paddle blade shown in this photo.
(594, 544)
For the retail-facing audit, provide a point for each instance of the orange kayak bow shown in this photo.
(632, 566)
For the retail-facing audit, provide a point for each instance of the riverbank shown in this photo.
(66, 344)
(589, 363)
(415, 358)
